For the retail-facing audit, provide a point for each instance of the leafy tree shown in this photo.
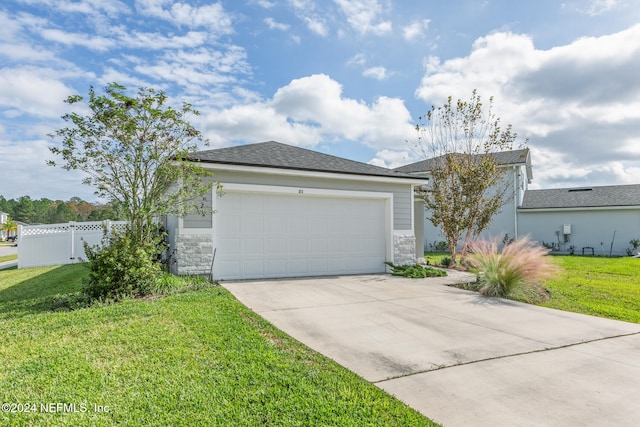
(62, 214)
(467, 185)
(6, 206)
(134, 150)
(25, 211)
(10, 226)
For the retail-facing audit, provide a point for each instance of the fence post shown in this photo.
(107, 223)
(20, 246)
(72, 229)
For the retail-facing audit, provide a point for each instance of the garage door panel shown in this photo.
(276, 267)
(319, 245)
(276, 246)
(298, 267)
(274, 235)
(276, 224)
(253, 246)
(253, 267)
(297, 224)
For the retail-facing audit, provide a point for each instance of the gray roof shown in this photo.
(512, 157)
(282, 156)
(582, 197)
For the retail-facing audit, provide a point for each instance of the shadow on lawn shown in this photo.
(39, 293)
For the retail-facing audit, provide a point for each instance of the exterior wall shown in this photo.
(404, 249)
(201, 221)
(193, 253)
(402, 193)
(193, 238)
(589, 228)
(3, 219)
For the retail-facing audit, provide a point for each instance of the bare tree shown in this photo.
(467, 185)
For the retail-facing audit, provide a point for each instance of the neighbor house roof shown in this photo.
(582, 197)
(505, 158)
(277, 155)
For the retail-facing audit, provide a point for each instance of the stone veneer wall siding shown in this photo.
(193, 254)
(404, 249)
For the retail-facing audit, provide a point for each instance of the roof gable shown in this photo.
(273, 154)
(505, 158)
(582, 197)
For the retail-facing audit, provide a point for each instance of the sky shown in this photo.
(347, 78)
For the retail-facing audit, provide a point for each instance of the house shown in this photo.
(286, 211)
(3, 220)
(591, 220)
(518, 175)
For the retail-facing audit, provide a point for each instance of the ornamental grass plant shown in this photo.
(504, 268)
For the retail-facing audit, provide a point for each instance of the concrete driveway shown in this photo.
(459, 358)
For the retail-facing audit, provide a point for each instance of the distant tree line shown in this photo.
(46, 211)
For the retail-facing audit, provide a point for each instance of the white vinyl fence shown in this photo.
(51, 244)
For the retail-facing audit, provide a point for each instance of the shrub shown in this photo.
(438, 246)
(121, 266)
(446, 261)
(501, 271)
(415, 271)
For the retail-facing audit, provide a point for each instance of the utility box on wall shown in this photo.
(566, 232)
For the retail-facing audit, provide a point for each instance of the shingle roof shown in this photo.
(277, 155)
(582, 197)
(512, 157)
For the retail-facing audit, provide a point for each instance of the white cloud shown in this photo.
(392, 159)
(264, 4)
(598, 7)
(274, 25)
(573, 100)
(26, 173)
(357, 59)
(98, 43)
(212, 16)
(88, 7)
(364, 16)
(311, 110)
(157, 41)
(305, 10)
(33, 91)
(377, 73)
(416, 29)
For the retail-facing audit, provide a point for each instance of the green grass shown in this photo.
(605, 287)
(192, 359)
(435, 258)
(6, 258)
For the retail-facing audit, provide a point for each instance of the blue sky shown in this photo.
(347, 78)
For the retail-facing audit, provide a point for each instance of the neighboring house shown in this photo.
(3, 220)
(600, 220)
(286, 211)
(518, 176)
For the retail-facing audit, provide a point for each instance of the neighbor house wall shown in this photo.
(589, 228)
(504, 222)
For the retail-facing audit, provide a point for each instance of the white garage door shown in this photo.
(272, 235)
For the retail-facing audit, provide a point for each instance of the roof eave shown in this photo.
(271, 170)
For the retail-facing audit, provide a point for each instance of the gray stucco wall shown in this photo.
(589, 228)
(504, 222)
(402, 195)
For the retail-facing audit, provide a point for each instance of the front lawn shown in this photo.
(193, 359)
(605, 287)
(5, 258)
